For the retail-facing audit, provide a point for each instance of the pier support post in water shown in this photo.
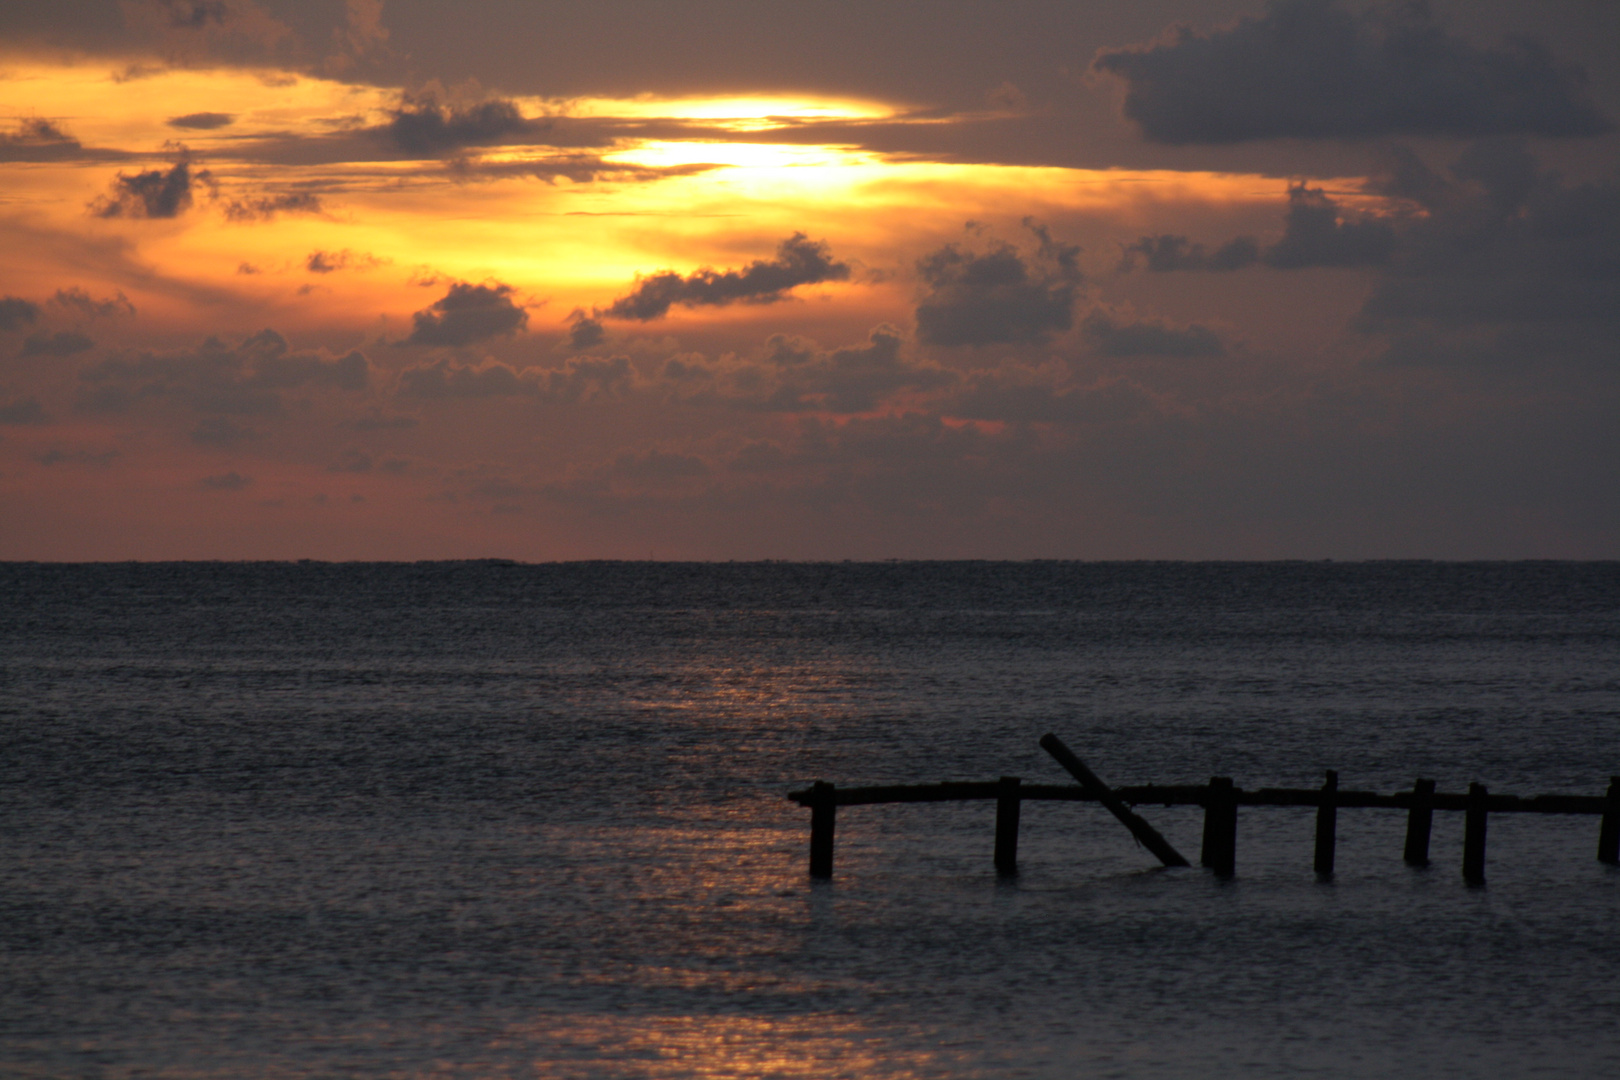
(1474, 836)
(1008, 805)
(1419, 821)
(1609, 831)
(1327, 822)
(823, 820)
(1220, 827)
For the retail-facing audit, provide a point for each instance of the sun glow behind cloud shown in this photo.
(311, 215)
(571, 238)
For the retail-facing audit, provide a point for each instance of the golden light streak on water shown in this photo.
(815, 1047)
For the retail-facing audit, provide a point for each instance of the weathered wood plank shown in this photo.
(1474, 834)
(1419, 823)
(1220, 827)
(1609, 831)
(1327, 819)
(1145, 834)
(823, 823)
(1008, 806)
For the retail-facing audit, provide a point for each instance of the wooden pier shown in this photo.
(1220, 799)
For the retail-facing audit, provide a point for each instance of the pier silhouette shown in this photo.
(1221, 799)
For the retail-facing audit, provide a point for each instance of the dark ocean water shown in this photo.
(491, 820)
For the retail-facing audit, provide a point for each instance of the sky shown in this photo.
(739, 279)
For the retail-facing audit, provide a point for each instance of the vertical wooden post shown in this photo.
(1008, 805)
(1474, 836)
(1419, 822)
(1220, 827)
(1609, 831)
(823, 820)
(1327, 820)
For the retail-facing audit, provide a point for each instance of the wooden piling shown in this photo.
(1474, 835)
(1419, 822)
(1327, 820)
(1220, 827)
(1008, 806)
(1145, 834)
(823, 822)
(1609, 831)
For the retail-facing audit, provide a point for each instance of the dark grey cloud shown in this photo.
(442, 380)
(656, 466)
(265, 207)
(193, 14)
(327, 262)
(1399, 173)
(425, 128)
(222, 433)
(61, 343)
(1111, 336)
(1025, 396)
(586, 378)
(22, 411)
(98, 458)
(998, 295)
(1315, 69)
(81, 304)
(468, 313)
(15, 312)
(156, 193)
(799, 261)
(1167, 252)
(38, 140)
(231, 481)
(796, 375)
(378, 422)
(1504, 170)
(580, 379)
(216, 378)
(852, 379)
(352, 460)
(584, 332)
(1505, 266)
(1317, 233)
(202, 121)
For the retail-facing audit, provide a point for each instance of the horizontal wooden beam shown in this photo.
(1198, 795)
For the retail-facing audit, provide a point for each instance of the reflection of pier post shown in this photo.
(1609, 831)
(1474, 835)
(1220, 827)
(1327, 823)
(823, 820)
(1419, 822)
(1008, 806)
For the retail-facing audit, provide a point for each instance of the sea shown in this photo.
(491, 819)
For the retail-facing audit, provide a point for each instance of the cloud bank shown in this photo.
(1313, 69)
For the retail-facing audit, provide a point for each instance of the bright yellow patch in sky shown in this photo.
(739, 113)
(566, 225)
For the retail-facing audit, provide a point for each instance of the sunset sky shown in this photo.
(716, 279)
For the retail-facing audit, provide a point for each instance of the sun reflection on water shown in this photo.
(824, 1046)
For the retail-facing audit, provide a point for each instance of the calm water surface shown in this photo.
(491, 820)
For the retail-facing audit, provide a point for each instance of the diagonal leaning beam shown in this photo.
(1146, 834)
